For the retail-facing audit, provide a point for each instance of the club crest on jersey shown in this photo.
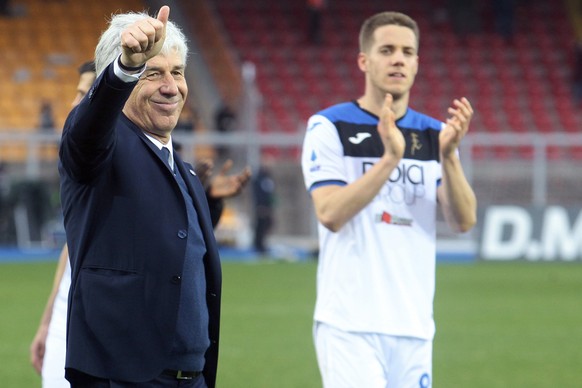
(416, 145)
(392, 219)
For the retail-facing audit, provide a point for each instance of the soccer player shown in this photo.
(376, 170)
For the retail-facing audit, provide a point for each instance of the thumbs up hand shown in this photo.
(144, 39)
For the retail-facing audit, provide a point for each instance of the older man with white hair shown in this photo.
(144, 303)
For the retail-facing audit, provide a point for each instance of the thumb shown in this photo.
(386, 111)
(164, 14)
(160, 37)
(388, 101)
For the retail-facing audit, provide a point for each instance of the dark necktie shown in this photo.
(166, 153)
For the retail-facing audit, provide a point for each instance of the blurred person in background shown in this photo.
(465, 17)
(264, 201)
(315, 10)
(574, 11)
(504, 16)
(225, 121)
(376, 171)
(5, 8)
(46, 117)
(186, 121)
(577, 73)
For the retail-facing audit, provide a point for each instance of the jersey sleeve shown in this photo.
(322, 158)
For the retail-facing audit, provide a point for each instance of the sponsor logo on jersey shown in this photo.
(314, 167)
(405, 185)
(360, 137)
(392, 219)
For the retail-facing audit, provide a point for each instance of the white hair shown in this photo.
(109, 46)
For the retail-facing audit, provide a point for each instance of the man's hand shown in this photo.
(391, 136)
(225, 186)
(144, 39)
(203, 170)
(456, 126)
(37, 349)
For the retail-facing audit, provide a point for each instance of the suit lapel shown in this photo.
(195, 189)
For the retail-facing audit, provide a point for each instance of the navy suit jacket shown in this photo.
(126, 224)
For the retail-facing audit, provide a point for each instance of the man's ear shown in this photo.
(363, 62)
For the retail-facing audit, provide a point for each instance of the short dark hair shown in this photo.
(87, 67)
(381, 19)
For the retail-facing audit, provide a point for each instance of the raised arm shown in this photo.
(89, 132)
(455, 195)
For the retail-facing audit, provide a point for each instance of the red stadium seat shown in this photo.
(512, 84)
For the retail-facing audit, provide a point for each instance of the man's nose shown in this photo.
(398, 57)
(169, 85)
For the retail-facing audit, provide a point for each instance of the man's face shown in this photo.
(392, 61)
(85, 81)
(157, 100)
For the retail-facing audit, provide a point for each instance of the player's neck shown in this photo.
(373, 104)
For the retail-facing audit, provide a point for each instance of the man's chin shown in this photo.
(396, 94)
(166, 124)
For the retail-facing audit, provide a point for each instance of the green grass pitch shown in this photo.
(506, 325)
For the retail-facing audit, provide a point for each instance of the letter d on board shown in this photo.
(506, 233)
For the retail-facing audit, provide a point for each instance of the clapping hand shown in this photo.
(457, 126)
(391, 136)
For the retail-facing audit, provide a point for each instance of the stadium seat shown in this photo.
(46, 45)
(508, 82)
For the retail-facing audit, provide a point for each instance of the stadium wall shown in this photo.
(529, 204)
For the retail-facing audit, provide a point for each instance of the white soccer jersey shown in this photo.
(377, 273)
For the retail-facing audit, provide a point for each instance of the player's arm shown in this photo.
(455, 195)
(336, 205)
(37, 347)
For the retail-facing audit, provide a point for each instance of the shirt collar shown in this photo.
(159, 144)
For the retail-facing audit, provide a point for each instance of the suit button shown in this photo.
(182, 234)
(176, 279)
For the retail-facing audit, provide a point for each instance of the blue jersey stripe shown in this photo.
(327, 183)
